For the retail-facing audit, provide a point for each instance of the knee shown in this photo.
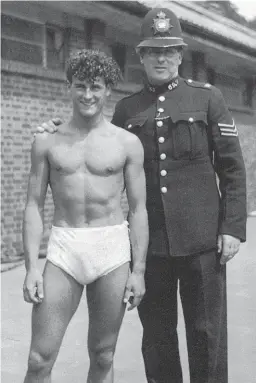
(102, 358)
(39, 363)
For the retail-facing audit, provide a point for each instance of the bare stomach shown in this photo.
(76, 206)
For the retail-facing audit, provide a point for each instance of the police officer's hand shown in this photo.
(50, 126)
(228, 246)
(135, 290)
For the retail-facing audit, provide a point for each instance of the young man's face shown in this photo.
(88, 97)
(161, 64)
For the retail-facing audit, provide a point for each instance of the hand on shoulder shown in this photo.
(50, 126)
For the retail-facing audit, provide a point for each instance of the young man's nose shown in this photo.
(87, 94)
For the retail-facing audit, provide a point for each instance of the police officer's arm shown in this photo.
(135, 184)
(229, 166)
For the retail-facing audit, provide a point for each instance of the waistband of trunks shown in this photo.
(91, 228)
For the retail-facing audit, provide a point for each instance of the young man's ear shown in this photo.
(108, 91)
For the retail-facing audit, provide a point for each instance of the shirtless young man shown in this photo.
(87, 164)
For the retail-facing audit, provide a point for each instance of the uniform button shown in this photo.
(161, 98)
(159, 124)
(161, 140)
(160, 110)
(129, 126)
(163, 173)
(164, 189)
(163, 156)
(191, 119)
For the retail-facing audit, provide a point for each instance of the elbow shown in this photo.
(32, 209)
(138, 210)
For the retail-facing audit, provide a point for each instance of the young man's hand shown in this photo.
(50, 126)
(135, 290)
(33, 290)
(228, 246)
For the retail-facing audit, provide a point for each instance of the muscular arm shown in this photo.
(136, 194)
(138, 219)
(33, 214)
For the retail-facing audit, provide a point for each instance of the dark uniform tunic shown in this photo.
(188, 137)
(188, 134)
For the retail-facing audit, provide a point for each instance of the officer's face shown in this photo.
(161, 64)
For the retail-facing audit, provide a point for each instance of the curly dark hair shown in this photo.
(88, 64)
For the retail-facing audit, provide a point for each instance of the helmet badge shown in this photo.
(161, 23)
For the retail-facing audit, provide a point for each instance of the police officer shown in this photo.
(196, 220)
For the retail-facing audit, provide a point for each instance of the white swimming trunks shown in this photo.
(89, 253)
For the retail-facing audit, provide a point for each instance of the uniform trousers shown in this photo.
(202, 286)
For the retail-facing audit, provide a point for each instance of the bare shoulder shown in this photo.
(41, 143)
(129, 140)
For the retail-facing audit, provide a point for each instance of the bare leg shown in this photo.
(49, 322)
(106, 311)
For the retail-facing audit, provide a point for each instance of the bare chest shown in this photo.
(100, 157)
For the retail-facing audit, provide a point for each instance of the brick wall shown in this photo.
(26, 102)
(29, 100)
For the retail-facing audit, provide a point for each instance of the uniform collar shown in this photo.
(168, 86)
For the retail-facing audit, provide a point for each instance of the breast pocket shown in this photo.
(188, 131)
(135, 124)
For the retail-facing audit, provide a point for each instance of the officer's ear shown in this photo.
(180, 51)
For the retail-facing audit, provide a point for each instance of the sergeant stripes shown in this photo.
(228, 129)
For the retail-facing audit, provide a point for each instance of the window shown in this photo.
(119, 54)
(198, 66)
(55, 56)
(32, 43)
(22, 40)
(134, 72)
(248, 92)
(211, 75)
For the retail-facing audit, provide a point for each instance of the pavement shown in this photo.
(72, 363)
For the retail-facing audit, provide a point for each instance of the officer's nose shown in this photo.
(161, 57)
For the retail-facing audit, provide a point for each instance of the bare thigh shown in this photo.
(106, 308)
(50, 318)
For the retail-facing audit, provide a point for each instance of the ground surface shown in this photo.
(72, 363)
